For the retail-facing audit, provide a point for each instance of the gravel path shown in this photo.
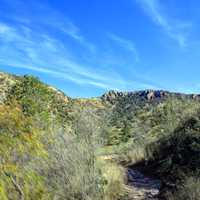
(144, 188)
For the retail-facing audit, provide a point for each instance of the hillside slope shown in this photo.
(52, 145)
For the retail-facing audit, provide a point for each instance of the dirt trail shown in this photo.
(143, 187)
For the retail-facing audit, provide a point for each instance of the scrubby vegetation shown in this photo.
(189, 190)
(56, 147)
(163, 140)
(48, 145)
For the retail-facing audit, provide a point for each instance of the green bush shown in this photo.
(32, 95)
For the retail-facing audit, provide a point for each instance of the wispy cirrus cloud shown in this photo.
(45, 54)
(60, 74)
(125, 44)
(54, 45)
(67, 27)
(46, 18)
(176, 29)
(23, 48)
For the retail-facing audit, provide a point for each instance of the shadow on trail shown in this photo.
(145, 185)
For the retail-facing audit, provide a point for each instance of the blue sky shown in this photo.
(87, 47)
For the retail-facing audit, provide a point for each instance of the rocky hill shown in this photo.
(149, 95)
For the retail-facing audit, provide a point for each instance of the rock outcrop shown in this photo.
(6, 82)
(148, 95)
(112, 96)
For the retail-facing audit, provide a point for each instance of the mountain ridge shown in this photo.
(148, 94)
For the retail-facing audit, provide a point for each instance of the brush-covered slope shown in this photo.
(45, 137)
(50, 143)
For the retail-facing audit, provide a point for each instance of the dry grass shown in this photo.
(114, 176)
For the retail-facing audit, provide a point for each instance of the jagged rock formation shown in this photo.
(149, 95)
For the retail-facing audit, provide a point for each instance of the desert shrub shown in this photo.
(39, 101)
(189, 190)
(74, 173)
(181, 149)
(20, 143)
(32, 95)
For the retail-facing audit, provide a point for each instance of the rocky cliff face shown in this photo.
(148, 95)
(111, 96)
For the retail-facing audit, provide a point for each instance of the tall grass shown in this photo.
(113, 175)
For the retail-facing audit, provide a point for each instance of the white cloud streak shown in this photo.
(35, 42)
(175, 29)
(34, 51)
